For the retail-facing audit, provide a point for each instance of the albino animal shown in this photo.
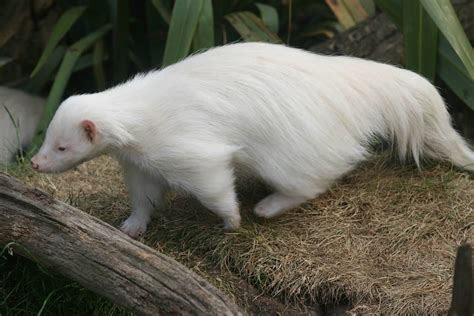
(26, 111)
(297, 120)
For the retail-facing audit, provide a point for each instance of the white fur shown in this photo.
(26, 111)
(298, 120)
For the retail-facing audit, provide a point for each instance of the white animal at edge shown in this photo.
(297, 120)
(26, 111)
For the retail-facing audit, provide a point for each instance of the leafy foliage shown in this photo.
(251, 28)
(183, 24)
(451, 57)
(63, 25)
(442, 12)
(420, 39)
(26, 288)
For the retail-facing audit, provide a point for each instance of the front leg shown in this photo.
(146, 195)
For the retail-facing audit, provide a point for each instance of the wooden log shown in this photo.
(462, 302)
(101, 258)
(379, 39)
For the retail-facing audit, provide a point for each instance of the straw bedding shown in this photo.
(382, 240)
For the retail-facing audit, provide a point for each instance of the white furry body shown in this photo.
(297, 120)
(26, 111)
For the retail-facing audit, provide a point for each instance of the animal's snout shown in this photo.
(37, 162)
(34, 165)
(42, 163)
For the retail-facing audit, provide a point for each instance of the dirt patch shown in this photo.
(381, 241)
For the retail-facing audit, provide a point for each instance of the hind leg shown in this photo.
(278, 203)
(224, 204)
(213, 185)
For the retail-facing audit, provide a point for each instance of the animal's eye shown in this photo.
(61, 148)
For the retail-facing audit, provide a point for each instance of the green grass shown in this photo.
(28, 289)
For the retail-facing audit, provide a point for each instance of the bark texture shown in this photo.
(25, 27)
(378, 38)
(99, 257)
(463, 288)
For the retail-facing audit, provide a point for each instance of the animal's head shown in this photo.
(72, 138)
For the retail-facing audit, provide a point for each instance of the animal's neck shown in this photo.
(132, 156)
(119, 113)
(114, 128)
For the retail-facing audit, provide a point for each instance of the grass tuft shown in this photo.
(27, 289)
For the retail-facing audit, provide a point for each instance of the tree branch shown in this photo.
(99, 257)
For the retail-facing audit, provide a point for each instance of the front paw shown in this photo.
(232, 223)
(133, 226)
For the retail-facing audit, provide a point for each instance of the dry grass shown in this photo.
(383, 239)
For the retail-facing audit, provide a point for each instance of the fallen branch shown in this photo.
(379, 39)
(462, 302)
(99, 257)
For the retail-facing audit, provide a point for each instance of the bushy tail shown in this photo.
(427, 130)
(443, 142)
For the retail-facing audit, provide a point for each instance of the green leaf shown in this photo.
(137, 61)
(452, 71)
(162, 10)
(392, 8)
(16, 125)
(204, 36)
(420, 36)
(251, 27)
(442, 12)
(65, 22)
(98, 64)
(120, 16)
(369, 6)
(5, 60)
(86, 61)
(62, 78)
(184, 20)
(154, 27)
(36, 83)
(269, 16)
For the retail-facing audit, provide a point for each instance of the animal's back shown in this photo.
(308, 112)
(286, 111)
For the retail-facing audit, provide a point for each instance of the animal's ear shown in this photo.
(89, 129)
